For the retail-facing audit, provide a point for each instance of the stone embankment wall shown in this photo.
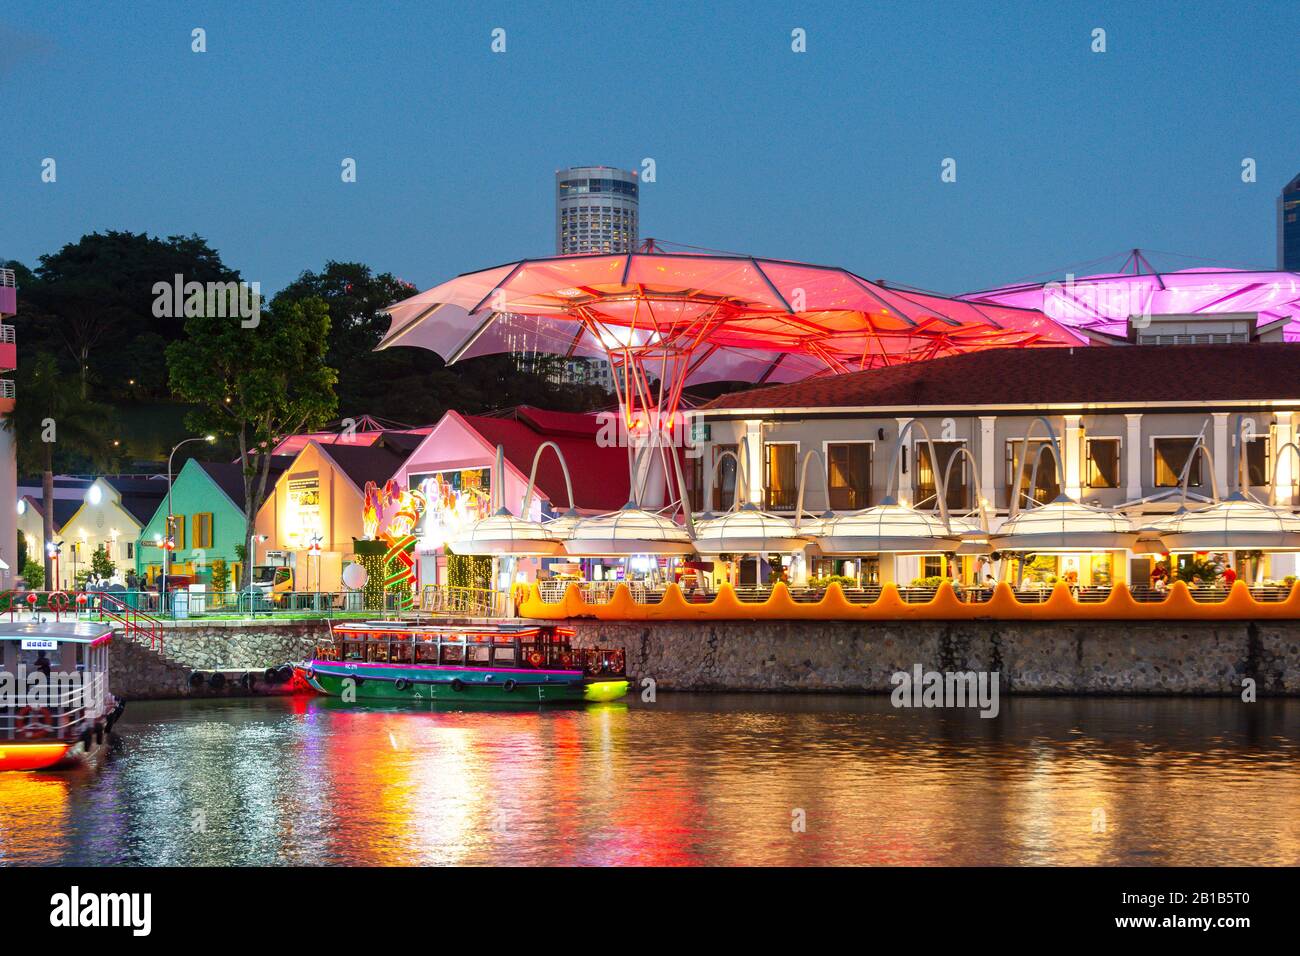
(1061, 657)
(140, 672)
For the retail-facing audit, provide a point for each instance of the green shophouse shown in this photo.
(207, 499)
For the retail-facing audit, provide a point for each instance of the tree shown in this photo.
(256, 384)
(100, 290)
(50, 421)
(101, 565)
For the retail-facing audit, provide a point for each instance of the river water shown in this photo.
(733, 779)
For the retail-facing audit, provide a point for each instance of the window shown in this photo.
(932, 564)
(779, 475)
(177, 531)
(202, 530)
(1258, 468)
(848, 473)
(724, 478)
(1103, 462)
(130, 549)
(1171, 456)
(1047, 488)
(925, 487)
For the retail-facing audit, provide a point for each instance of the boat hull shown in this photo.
(456, 685)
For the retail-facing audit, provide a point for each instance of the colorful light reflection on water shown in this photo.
(689, 780)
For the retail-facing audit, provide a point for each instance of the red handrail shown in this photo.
(135, 622)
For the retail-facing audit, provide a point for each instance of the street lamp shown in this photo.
(54, 549)
(170, 540)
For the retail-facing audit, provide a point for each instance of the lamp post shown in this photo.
(169, 539)
(54, 549)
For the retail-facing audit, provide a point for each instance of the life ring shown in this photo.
(30, 729)
(567, 659)
(457, 684)
(58, 601)
(535, 658)
(401, 684)
(510, 685)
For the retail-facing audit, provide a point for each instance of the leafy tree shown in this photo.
(98, 292)
(255, 385)
(50, 421)
(101, 565)
(34, 575)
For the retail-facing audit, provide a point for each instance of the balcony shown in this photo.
(8, 294)
(8, 349)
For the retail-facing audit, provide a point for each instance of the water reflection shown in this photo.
(689, 780)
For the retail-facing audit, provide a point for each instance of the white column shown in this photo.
(1283, 432)
(1225, 460)
(1133, 457)
(754, 461)
(904, 492)
(1071, 463)
(988, 458)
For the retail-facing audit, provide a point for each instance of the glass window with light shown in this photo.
(1103, 462)
(848, 472)
(1171, 456)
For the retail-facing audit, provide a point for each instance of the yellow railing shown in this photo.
(472, 602)
(1120, 605)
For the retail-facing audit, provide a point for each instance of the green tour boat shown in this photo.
(490, 663)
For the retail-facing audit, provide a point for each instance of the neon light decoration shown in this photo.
(389, 515)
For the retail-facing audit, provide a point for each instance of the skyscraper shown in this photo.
(1288, 226)
(596, 210)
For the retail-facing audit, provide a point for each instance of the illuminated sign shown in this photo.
(452, 500)
(302, 516)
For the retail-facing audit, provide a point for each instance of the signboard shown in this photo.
(452, 499)
(39, 644)
(302, 516)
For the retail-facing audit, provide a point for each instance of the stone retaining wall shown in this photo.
(1061, 657)
(139, 672)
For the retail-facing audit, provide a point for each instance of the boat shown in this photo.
(56, 711)
(489, 663)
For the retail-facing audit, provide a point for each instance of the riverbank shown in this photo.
(1032, 657)
(1050, 657)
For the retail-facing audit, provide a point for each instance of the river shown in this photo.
(690, 779)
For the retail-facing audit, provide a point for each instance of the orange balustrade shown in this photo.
(1061, 605)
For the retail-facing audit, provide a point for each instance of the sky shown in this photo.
(832, 156)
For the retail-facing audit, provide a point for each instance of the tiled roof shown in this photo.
(229, 476)
(140, 496)
(363, 463)
(600, 475)
(1096, 374)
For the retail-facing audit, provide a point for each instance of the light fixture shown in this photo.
(1065, 525)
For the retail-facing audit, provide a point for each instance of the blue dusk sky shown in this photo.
(832, 156)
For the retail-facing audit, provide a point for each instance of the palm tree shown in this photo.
(49, 411)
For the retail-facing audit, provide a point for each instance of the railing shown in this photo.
(55, 712)
(144, 613)
(7, 334)
(7, 277)
(1177, 602)
(8, 389)
(469, 602)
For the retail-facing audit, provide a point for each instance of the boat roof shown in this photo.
(80, 632)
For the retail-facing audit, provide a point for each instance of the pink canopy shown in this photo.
(698, 317)
(1104, 302)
